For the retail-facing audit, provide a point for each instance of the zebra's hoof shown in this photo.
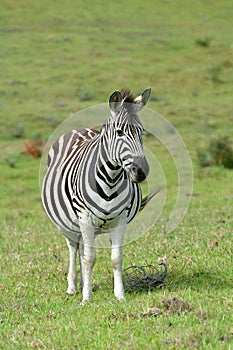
(71, 291)
(84, 302)
(121, 298)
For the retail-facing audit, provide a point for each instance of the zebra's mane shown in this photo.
(127, 95)
(130, 117)
(129, 102)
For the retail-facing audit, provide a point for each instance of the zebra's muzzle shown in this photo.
(139, 169)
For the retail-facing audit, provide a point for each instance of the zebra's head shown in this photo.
(123, 131)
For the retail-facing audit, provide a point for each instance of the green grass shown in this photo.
(53, 55)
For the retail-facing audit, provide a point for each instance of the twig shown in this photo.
(144, 278)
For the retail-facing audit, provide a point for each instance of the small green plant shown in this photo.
(204, 158)
(219, 152)
(84, 94)
(10, 161)
(204, 42)
(214, 73)
(36, 136)
(17, 131)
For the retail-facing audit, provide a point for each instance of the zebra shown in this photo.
(92, 186)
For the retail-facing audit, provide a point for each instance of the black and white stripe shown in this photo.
(80, 175)
(93, 176)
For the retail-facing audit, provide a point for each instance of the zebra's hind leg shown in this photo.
(72, 273)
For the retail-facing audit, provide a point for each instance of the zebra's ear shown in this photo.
(142, 99)
(115, 101)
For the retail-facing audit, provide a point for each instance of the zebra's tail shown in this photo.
(147, 199)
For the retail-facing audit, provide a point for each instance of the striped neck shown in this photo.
(105, 168)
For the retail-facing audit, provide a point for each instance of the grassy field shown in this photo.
(60, 57)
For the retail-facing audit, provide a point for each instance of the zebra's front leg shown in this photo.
(117, 238)
(87, 260)
(81, 254)
(72, 273)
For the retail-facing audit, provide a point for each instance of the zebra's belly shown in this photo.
(68, 221)
(106, 220)
(66, 214)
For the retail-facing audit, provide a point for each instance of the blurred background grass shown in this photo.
(57, 58)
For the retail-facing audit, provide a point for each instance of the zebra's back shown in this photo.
(55, 197)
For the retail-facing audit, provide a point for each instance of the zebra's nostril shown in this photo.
(133, 168)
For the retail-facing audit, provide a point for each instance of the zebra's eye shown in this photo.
(120, 132)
